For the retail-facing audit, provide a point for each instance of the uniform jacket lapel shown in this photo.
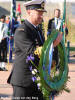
(34, 33)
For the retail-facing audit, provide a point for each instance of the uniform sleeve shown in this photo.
(22, 43)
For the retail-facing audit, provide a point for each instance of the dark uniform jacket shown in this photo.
(26, 39)
(51, 26)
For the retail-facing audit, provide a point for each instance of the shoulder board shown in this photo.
(20, 29)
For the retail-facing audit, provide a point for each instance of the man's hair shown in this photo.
(2, 17)
(56, 9)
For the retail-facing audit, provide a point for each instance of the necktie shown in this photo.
(57, 21)
(39, 35)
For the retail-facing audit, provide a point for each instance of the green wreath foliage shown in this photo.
(58, 82)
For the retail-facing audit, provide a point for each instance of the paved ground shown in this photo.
(71, 86)
(6, 89)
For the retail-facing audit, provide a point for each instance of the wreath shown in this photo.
(49, 80)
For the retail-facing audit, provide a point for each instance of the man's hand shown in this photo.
(38, 51)
(58, 40)
(64, 25)
(3, 38)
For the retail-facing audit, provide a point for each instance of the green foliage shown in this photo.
(71, 34)
(57, 82)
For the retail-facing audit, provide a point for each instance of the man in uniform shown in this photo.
(27, 38)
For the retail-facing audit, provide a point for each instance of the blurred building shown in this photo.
(5, 8)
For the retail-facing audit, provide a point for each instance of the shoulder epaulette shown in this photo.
(20, 29)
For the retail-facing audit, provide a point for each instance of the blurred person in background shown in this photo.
(3, 43)
(55, 23)
(22, 21)
(16, 24)
(12, 27)
(8, 24)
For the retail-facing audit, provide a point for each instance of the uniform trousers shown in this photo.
(27, 93)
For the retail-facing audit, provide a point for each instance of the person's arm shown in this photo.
(58, 40)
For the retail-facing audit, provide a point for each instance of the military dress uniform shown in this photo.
(26, 38)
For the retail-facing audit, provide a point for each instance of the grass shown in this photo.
(71, 34)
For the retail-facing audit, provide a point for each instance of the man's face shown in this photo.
(57, 13)
(3, 20)
(36, 16)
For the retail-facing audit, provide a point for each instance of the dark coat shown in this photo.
(51, 26)
(26, 39)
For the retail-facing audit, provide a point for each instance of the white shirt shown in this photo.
(4, 31)
(57, 26)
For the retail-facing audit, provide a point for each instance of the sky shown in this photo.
(46, 0)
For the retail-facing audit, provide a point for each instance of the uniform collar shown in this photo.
(31, 26)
